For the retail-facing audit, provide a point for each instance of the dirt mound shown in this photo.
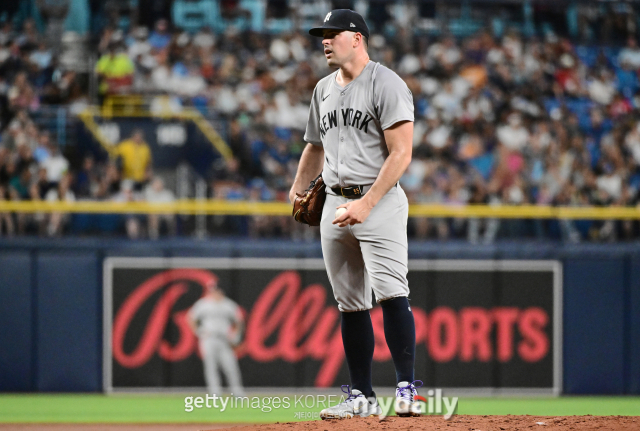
(428, 423)
(461, 423)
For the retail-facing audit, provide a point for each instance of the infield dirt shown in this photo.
(428, 423)
(462, 423)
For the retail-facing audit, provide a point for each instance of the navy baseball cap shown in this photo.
(342, 19)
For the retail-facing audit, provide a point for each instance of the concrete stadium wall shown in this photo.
(51, 304)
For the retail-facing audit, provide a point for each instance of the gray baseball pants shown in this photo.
(368, 256)
(217, 355)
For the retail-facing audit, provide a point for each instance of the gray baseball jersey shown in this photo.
(349, 123)
(215, 317)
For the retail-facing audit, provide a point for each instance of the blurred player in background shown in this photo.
(219, 325)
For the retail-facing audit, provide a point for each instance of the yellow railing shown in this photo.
(138, 106)
(221, 207)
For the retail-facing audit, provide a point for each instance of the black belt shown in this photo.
(350, 192)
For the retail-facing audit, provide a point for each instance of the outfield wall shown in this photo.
(51, 306)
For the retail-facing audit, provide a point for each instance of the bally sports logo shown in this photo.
(291, 322)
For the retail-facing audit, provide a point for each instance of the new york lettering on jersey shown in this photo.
(348, 116)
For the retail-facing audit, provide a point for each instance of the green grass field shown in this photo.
(63, 408)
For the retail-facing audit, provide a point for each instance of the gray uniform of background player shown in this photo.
(348, 122)
(216, 319)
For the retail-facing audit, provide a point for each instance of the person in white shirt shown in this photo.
(513, 136)
(631, 54)
(156, 193)
(56, 165)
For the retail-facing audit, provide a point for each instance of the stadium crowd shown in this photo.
(499, 120)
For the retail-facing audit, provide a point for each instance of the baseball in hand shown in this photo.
(340, 211)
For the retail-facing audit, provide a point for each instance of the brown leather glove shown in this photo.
(307, 208)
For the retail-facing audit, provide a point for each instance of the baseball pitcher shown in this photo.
(359, 135)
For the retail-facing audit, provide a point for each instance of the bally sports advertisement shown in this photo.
(481, 325)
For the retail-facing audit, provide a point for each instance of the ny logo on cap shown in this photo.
(326, 18)
(352, 25)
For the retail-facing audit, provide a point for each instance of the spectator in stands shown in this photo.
(513, 136)
(115, 71)
(160, 37)
(41, 56)
(155, 192)
(41, 186)
(601, 87)
(204, 39)
(239, 144)
(479, 195)
(61, 193)
(132, 221)
(109, 184)
(6, 32)
(134, 156)
(139, 45)
(21, 94)
(56, 164)
(567, 77)
(29, 38)
(19, 185)
(443, 56)
(632, 144)
(448, 102)
(20, 190)
(630, 54)
(24, 156)
(497, 118)
(627, 77)
(42, 150)
(13, 62)
(87, 180)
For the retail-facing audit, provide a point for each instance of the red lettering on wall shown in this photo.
(420, 319)
(268, 314)
(443, 334)
(299, 322)
(290, 323)
(475, 330)
(535, 344)
(296, 316)
(156, 323)
(505, 318)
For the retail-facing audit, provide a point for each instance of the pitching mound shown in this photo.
(462, 423)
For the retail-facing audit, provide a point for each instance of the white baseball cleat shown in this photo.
(405, 404)
(356, 404)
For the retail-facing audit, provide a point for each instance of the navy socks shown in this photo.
(400, 332)
(357, 338)
(358, 342)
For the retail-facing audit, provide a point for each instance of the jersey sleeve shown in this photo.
(393, 99)
(312, 133)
